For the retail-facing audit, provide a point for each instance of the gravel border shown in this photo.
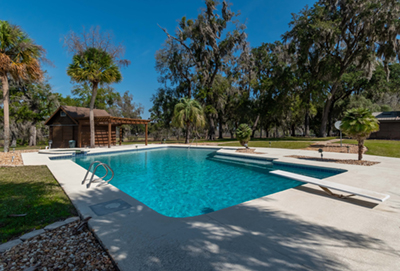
(339, 161)
(63, 245)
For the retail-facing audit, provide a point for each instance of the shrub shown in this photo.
(359, 123)
(243, 134)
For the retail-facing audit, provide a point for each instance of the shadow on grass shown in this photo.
(43, 201)
(248, 236)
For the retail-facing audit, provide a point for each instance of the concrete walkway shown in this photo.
(296, 229)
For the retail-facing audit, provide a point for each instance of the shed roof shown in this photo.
(80, 115)
(389, 115)
(74, 112)
(82, 112)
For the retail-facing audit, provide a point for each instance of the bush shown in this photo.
(243, 134)
(132, 138)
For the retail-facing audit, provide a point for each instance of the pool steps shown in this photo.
(263, 163)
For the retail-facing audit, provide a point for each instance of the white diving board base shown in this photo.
(331, 185)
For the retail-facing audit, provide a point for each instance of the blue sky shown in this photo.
(135, 24)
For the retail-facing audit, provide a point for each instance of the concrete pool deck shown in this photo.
(297, 229)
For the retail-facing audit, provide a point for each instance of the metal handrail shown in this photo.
(90, 167)
(105, 166)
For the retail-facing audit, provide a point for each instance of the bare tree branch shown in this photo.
(95, 38)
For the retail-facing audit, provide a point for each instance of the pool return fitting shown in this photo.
(105, 166)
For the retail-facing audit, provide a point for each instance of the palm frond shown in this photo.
(188, 111)
(95, 66)
(19, 56)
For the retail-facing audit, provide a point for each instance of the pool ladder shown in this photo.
(105, 166)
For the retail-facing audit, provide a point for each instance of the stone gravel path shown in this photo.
(57, 249)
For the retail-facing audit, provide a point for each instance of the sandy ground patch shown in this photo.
(334, 147)
(339, 161)
(6, 158)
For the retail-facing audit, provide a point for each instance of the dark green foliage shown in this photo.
(243, 133)
(188, 112)
(339, 37)
(94, 66)
(359, 123)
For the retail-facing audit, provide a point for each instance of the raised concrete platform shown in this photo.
(331, 185)
(296, 229)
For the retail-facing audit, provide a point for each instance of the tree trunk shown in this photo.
(260, 132)
(293, 130)
(13, 140)
(360, 148)
(325, 114)
(255, 126)
(220, 130)
(212, 129)
(277, 132)
(91, 115)
(32, 138)
(6, 106)
(187, 133)
(307, 123)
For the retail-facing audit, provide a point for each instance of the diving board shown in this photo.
(326, 185)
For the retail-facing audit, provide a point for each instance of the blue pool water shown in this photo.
(178, 182)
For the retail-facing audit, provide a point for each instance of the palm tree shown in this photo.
(97, 67)
(19, 59)
(243, 134)
(186, 112)
(359, 123)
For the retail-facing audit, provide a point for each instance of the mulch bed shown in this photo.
(61, 249)
(253, 151)
(334, 147)
(7, 161)
(339, 161)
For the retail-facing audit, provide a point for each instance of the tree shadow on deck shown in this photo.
(245, 237)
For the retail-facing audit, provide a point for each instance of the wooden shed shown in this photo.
(72, 123)
(389, 125)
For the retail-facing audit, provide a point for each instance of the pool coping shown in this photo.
(69, 174)
(219, 150)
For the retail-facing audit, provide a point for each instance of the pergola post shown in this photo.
(120, 135)
(80, 135)
(145, 135)
(109, 133)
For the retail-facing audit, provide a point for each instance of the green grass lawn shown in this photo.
(312, 139)
(291, 138)
(387, 148)
(275, 144)
(20, 148)
(30, 190)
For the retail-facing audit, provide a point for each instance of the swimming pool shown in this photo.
(178, 182)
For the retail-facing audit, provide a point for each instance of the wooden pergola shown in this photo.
(110, 121)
